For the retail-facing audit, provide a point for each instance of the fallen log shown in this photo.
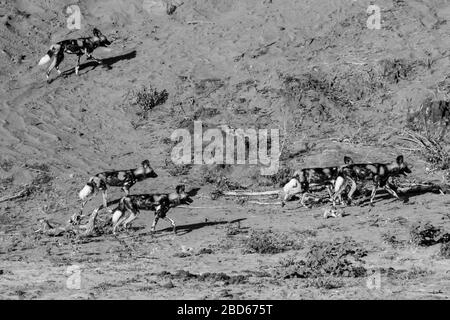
(423, 187)
(15, 196)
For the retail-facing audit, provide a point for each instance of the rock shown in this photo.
(168, 285)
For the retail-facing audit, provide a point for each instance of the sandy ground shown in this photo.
(239, 63)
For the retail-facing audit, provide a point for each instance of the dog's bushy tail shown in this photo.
(46, 59)
(119, 211)
(87, 191)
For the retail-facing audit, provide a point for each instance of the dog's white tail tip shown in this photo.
(85, 192)
(44, 60)
(116, 216)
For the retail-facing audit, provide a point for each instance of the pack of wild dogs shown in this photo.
(336, 179)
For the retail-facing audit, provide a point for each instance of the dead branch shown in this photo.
(241, 194)
(190, 207)
(16, 196)
(198, 21)
(278, 203)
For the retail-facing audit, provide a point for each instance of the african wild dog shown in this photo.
(302, 179)
(158, 202)
(115, 178)
(379, 173)
(80, 47)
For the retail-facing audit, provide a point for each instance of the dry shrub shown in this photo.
(326, 283)
(425, 234)
(414, 273)
(184, 275)
(216, 175)
(269, 242)
(339, 258)
(392, 240)
(432, 118)
(177, 169)
(394, 70)
(6, 165)
(428, 148)
(233, 229)
(147, 98)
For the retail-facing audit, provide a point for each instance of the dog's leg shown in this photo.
(126, 189)
(339, 187)
(105, 200)
(78, 216)
(388, 188)
(58, 60)
(302, 201)
(374, 191)
(172, 223)
(330, 193)
(91, 57)
(50, 68)
(130, 219)
(155, 221)
(77, 68)
(352, 190)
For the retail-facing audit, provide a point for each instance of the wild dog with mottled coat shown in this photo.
(80, 47)
(379, 173)
(303, 179)
(115, 178)
(158, 202)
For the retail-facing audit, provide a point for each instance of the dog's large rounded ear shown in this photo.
(296, 175)
(145, 163)
(96, 32)
(348, 160)
(399, 159)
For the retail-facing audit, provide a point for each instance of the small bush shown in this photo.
(329, 259)
(425, 234)
(392, 240)
(269, 242)
(429, 148)
(233, 229)
(6, 165)
(178, 169)
(327, 283)
(147, 98)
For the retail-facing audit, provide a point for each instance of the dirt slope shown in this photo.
(310, 68)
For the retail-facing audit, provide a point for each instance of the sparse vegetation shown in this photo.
(269, 242)
(326, 283)
(339, 258)
(392, 240)
(6, 165)
(148, 98)
(429, 148)
(184, 275)
(425, 234)
(444, 250)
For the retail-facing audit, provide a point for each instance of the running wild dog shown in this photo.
(115, 178)
(302, 179)
(158, 202)
(379, 173)
(80, 47)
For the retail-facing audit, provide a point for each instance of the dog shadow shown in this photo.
(106, 63)
(193, 192)
(185, 229)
